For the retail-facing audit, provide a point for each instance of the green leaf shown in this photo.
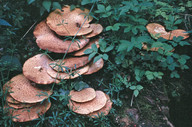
(132, 87)
(139, 87)
(88, 51)
(4, 23)
(94, 47)
(81, 85)
(72, 7)
(97, 58)
(47, 5)
(136, 93)
(105, 56)
(109, 48)
(56, 5)
(92, 55)
(101, 7)
(30, 1)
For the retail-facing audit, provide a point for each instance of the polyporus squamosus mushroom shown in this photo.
(22, 90)
(46, 39)
(103, 111)
(84, 95)
(35, 69)
(88, 107)
(155, 29)
(28, 113)
(69, 63)
(97, 29)
(67, 23)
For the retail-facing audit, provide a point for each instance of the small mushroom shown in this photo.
(30, 113)
(35, 69)
(69, 63)
(91, 106)
(23, 91)
(94, 67)
(81, 51)
(46, 39)
(105, 110)
(70, 75)
(84, 95)
(67, 23)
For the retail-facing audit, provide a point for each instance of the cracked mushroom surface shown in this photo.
(22, 90)
(88, 107)
(67, 23)
(84, 95)
(69, 63)
(30, 113)
(35, 69)
(47, 39)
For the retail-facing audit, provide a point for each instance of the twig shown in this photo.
(28, 30)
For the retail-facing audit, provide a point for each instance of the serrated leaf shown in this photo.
(97, 58)
(47, 5)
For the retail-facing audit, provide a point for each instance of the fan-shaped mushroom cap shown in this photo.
(154, 48)
(81, 51)
(31, 113)
(35, 69)
(84, 95)
(69, 63)
(10, 99)
(70, 75)
(155, 28)
(105, 110)
(20, 105)
(46, 39)
(97, 29)
(67, 23)
(177, 33)
(88, 107)
(22, 90)
(94, 67)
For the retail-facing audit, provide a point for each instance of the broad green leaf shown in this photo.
(101, 7)
(4, 23)
(97, 58)
(30, 1)
(92, 55)
(94, 47)
(109, 48)
(81, 85)
(47, 5)
(88, 51)
(56, 5)
(139, 87)
(136, 93)
(105, 56)
(132, 87)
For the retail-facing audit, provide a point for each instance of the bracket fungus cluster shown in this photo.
(90, 102)
(157, 31)
(25, 99)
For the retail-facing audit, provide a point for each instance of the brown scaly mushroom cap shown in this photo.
(70, 75)
(35, 69)
(10, 99)
(88, 107)
(97, 29)
(94, 67)
(70, 62)
(154, 28)
(28, 114)
(84, 95)
(105, 110)
(67, 23)
(46, 39)
(88, 46)
(23, 91)
(154, 48)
